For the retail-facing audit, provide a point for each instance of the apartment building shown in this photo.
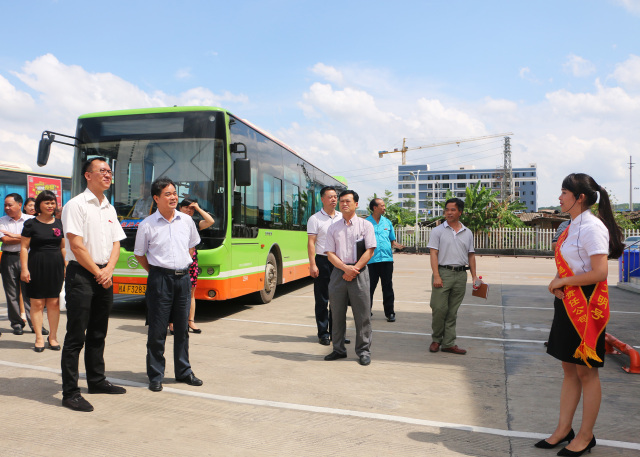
(433, 185)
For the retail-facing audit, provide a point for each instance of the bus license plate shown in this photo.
(134, 289)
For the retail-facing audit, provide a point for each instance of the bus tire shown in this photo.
(270, 279)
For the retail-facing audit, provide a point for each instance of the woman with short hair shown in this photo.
(42, 262)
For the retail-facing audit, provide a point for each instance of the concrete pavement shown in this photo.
(268, 391)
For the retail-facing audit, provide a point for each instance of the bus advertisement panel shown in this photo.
(36, 184)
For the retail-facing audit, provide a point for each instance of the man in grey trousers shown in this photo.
(350, 278)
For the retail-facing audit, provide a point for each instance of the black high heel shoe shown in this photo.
(194, 330)
(544, 444)
(51, 346)
(566, 452)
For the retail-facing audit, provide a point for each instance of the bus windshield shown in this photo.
(140, 152)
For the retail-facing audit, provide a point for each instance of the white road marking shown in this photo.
(544, 308)
(336, 411)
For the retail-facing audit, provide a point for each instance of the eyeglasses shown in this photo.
(104, 172)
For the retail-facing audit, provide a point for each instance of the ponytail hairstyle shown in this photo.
(580, 183)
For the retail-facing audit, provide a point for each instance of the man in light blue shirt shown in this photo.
(381, 264)
(164, 245)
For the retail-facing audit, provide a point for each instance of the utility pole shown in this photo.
(631, 164)
(506, 193)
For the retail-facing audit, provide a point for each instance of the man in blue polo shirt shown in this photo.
(381, 264)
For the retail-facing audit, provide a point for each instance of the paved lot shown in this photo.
(267, 390)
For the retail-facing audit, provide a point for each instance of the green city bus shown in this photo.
(258, 190)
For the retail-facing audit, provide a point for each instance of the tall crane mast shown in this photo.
(464, 140)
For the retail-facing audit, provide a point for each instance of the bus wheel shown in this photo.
(270, 279)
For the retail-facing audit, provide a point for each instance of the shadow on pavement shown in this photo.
(36, 389)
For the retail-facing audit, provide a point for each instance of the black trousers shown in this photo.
(88, 308)
(168, 297)
(382, 271)
(321, 294)
(10, 270)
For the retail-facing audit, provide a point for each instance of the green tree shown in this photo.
(398, 215)
(483, 210)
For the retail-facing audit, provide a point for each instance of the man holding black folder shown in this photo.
(349, 246)
(451, 250)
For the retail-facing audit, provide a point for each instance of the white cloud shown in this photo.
(627, 73)
(183, 73)
(593, 131)
(633, 6)
(578, 66)
(328, 73)
(605, 101)
(56, 94)
(526, 74)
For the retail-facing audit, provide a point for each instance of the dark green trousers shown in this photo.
(445, 302)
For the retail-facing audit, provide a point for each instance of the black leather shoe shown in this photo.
(18, 331)
(105, 387)
(45, 332)
(191, 380)
(155, 386)
(37, 349)
(364, 360)
(391, 317)
(335, 356)
(325, 341)
(544, 444)
(77, 403)
(347, 341)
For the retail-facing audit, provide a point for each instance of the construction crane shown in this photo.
(464, 140)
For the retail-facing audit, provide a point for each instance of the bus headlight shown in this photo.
(212, 293)
(210, 271)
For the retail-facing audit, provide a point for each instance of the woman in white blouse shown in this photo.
(581, 307)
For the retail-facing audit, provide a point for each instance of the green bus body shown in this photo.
(259, 236)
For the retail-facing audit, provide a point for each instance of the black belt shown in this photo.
(10, 253)
(77, 264)
(170, 271)
(452, 268)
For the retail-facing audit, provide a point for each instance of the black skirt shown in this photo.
(563, 338)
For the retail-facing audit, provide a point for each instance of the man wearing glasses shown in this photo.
(93, 235)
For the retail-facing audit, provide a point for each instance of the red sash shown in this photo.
(589, 317)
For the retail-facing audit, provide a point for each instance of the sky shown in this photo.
(339, 81)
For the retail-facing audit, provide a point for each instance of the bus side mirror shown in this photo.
(242, 172)
(44, 148)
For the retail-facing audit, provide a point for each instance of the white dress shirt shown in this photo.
(12, 226)
(97, 223)
(166, 244)
(318, 224)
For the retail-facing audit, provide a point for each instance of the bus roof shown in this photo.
(165, 109)
(182, 109)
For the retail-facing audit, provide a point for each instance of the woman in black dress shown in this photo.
(42, 257)
(581, 307)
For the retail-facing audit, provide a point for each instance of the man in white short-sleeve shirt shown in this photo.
(93, 235)
(10, 230)
(319, 265)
